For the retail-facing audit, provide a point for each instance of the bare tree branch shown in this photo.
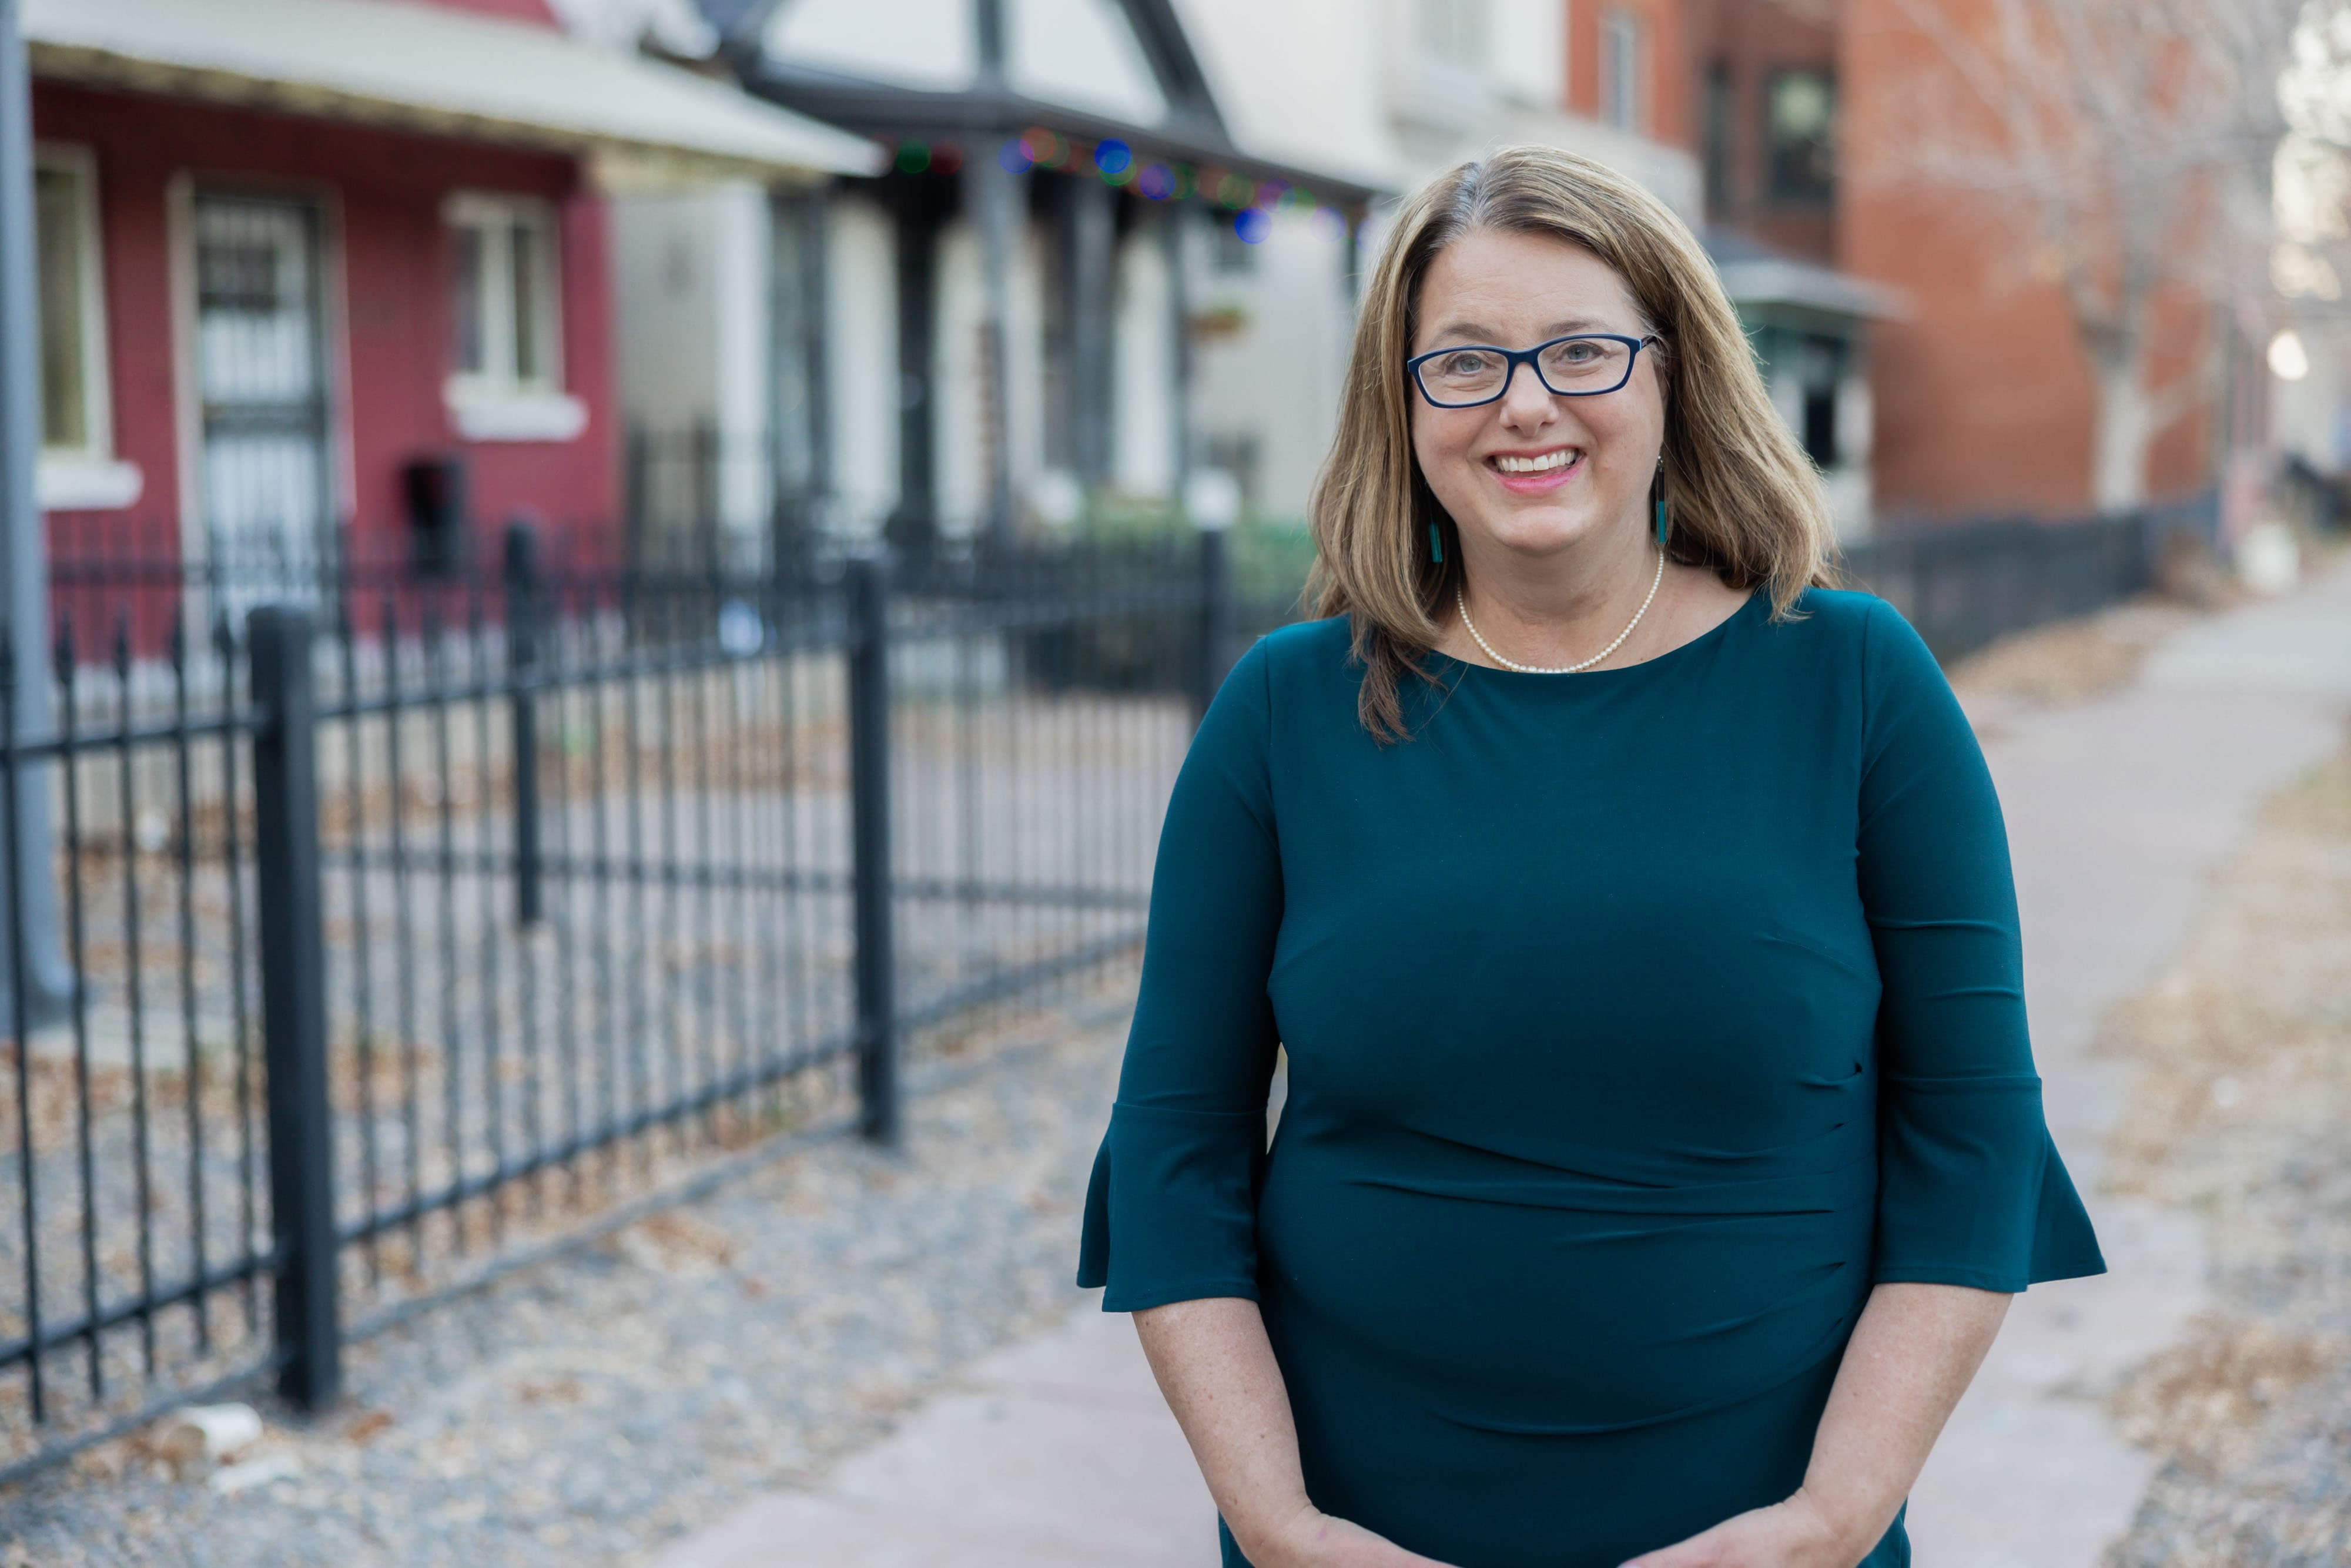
(2128, 146)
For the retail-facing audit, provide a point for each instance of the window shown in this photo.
(78, 470)
(505, 291)
(1800, 134)
(1620, 69)
(62, 232)
(1453, 31)
(508, 322)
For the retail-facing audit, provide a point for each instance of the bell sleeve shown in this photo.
(1171, 1210)
(1970, 1189)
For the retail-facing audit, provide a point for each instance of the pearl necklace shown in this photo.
(1461, 603)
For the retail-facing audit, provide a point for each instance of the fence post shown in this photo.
(1215, 617)
(703, 453)
(294, 1007)
(636, 487)
(868, 586)
(522, 663)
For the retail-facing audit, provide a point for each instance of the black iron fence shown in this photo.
(1966, 585)
(415, 921)
(418, 921)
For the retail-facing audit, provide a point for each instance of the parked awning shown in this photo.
(419, 67)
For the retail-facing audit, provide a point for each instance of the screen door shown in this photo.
(261, 377)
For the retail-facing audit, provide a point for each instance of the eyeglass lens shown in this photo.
(1570, 366)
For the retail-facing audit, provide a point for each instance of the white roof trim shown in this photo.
(450, 73)
(1772, 281)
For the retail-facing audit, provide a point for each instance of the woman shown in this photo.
(1662, 1142)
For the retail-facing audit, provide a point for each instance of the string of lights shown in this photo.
(1252, 203)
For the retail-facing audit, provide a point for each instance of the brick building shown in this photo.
(1807, 117)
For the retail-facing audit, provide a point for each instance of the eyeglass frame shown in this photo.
(1514, 357)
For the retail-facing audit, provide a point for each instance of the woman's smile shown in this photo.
(1537, 471)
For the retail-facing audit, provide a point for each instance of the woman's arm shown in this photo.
(1216, 1368)
(1912, 1355)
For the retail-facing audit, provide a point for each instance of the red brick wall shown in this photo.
(1984, 398)
(1667, 84)
(388, 264)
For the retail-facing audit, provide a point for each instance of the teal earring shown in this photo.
(1657, 489)
(1436, 545)
(1661, 522)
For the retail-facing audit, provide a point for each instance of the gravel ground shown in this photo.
(586, 1409)
(2242, 1088)
(460, 1045)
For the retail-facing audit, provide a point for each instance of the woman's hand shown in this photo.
(1796, 1533)
(1312, 1539)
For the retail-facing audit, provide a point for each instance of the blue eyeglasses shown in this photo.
(1582, 364)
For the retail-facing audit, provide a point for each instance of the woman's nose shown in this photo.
(1526, 402)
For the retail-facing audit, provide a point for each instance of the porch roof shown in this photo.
(985, 112)
(418, 67)
(1754, 274)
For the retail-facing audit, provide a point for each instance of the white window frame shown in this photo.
(495, 403)
(1622, 41)
(86, 477)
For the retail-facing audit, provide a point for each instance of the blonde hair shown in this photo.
(1743, 498)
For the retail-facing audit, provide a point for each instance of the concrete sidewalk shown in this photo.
(1058, 1454)
(2117, 810)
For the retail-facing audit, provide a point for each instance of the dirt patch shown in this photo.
(2241, 1091)
(2203, 1401)
(2070, 660)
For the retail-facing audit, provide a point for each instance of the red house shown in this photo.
(296, 255)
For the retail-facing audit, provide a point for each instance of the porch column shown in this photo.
(1090, 237)
(1174, 219)
(47, 983)
(994, 195)
(914, 524)
(798, 398)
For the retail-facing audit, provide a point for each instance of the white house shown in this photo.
(1025, 316)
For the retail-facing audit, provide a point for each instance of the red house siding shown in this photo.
(388, 301)
(513, 10)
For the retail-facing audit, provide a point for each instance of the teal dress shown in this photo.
(1639, 1021)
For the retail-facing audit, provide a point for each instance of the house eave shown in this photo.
(380, 63)
(892, 113)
